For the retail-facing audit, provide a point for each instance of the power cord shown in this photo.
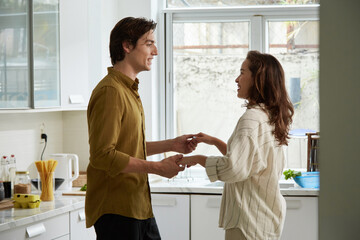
(43, 136)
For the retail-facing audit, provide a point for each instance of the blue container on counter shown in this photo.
(308, 180)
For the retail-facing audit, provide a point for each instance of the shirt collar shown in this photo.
(134, 85)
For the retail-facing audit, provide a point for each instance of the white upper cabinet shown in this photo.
(74, 53)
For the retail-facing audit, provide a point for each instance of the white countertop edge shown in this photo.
(204, 186)
(45, 211)
(218, 190)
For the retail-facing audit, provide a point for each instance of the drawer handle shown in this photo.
(213, 203)
(35, 230)
(82, 215)
(293, 204)
(169, 202)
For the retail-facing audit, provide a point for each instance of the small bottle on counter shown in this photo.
(5, 177)
(22, 183)
(12, 161)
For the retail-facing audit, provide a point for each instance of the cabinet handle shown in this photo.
(35, 230)
(213, 203)
(293, 204)
(169, 202)
(82, 215)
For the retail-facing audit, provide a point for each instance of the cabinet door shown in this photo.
(74, 53)
(52, 228)
(22, 65)
(205, 217)
(66, 237)
(78, 228)
(172, 215)
(301, 220)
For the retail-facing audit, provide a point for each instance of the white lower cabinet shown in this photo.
(301, 220)
(52, 228)
(205, 211)
(66, 237)
(196, 217)
(78, 228)
(172, 214)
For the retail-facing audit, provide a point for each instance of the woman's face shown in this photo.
(244, 80)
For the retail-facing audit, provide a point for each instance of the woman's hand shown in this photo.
(202, 137)
(191, 161)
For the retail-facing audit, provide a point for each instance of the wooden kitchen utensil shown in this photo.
(74, 193)
(6, 203)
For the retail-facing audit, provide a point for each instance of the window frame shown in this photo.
(258, 16)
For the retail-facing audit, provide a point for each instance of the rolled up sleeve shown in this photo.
(241, 161)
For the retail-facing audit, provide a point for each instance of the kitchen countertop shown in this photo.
(204, 186)
(16, 217)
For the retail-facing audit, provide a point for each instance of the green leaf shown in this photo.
(291, 174)
(83, 188)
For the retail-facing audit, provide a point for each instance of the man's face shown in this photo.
(142, 54)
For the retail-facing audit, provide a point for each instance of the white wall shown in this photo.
(103, 17)
(20, 135)
(339, 201)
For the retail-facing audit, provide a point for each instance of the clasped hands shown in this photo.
(185, 144)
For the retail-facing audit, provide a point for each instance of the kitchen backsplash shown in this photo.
(66, 133)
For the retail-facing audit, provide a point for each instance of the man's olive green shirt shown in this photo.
(116, 127)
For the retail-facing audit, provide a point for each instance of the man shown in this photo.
(118, 200)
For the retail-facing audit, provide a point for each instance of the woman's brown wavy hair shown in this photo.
(269, 89)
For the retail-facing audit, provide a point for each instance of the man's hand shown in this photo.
(169, 168)
(184, 144)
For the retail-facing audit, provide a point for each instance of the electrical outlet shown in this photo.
(43, 136)
(42, 128)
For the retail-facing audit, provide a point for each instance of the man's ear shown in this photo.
(127, 46)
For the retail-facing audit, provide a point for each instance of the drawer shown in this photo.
(51, 228)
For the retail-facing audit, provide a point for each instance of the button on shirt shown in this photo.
(116, 126)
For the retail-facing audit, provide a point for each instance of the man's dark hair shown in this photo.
(129, 30)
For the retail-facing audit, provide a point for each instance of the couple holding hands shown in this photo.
(118, 200)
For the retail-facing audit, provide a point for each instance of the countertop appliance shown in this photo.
(67, 164)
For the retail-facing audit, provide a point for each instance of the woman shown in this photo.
(253, 159)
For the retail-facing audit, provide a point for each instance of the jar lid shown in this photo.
(22, 172)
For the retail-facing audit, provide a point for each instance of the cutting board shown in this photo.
(74, 193)
(7, 203)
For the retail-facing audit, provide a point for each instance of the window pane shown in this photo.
(207, 58)
(46, 53)
(14, 75)
(234, 3)
(296, 46)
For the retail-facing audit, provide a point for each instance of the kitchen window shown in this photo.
(205, 45)
(29, 54)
